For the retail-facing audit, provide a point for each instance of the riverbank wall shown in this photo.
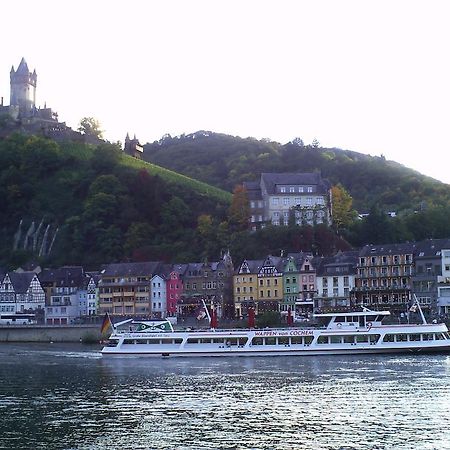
(55, 333)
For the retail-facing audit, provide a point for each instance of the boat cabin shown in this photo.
(352, 320)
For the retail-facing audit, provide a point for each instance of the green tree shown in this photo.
(342, 213)
(90, 127)
(239, 212)
(138, 235)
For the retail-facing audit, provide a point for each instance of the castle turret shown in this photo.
(23, 89)
(132, 147)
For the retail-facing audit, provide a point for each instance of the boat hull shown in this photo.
(278, 352)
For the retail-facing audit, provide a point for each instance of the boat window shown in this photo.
(388, 338)
(362, 338)
(218, 341)
(242, 341)
(371, 318)
(283, 341)
(296, 340)
(447, 335)
(128, 341)
(308, 340)
(374, 338)
(171, 341)
(141, 341)
(270, 341)
(378, 319)
(336, 339)
(192, 341)
(349, 339)
(205, 341)
(414, 337)
(154, 341)
(427, 337)
(231, 341)
(439, 336)
(257, 341)
(322, 340)
(401, 337)
(112, 343)
(339, 319)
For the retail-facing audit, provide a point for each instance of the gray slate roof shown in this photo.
(271, 180)
(387, 249)
(131, 269)
(67, 276)
(431, 248)
(254, 265)
(21, 281)
(343, 263)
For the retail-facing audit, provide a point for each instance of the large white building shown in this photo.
(335, 278)
(280, 198)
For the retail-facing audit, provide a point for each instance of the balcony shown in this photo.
(391, 287)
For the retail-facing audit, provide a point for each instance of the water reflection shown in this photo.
(71, 397)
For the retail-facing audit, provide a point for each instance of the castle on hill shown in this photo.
(22, 113)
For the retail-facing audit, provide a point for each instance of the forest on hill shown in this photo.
(99, 205)
(66, 203)
(225, 161)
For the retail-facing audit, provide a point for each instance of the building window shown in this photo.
(275, 201)
(282, 189)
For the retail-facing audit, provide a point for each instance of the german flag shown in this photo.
(106, 324)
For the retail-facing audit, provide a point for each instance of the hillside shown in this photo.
(225, 161)
(82, 204)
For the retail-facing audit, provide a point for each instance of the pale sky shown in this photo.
(369, 76)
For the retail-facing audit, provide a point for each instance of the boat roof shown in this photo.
(356, 313)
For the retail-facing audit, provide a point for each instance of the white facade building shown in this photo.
(21, 292)
(158, 295)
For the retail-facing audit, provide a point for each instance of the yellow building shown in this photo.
(245, 286)
(270, 285)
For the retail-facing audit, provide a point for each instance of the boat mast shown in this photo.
(416, 305)
(206, 310)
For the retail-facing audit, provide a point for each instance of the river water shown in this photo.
(69, 397)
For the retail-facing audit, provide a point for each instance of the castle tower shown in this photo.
(23, 89)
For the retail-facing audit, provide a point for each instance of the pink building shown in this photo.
(174, 288)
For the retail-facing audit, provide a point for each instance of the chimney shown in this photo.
(1, 104)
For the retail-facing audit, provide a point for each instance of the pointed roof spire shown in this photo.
(127, 137)
(23, 67)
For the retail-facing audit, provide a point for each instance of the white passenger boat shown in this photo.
(342, 333)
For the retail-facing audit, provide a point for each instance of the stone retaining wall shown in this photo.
(55, 333)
